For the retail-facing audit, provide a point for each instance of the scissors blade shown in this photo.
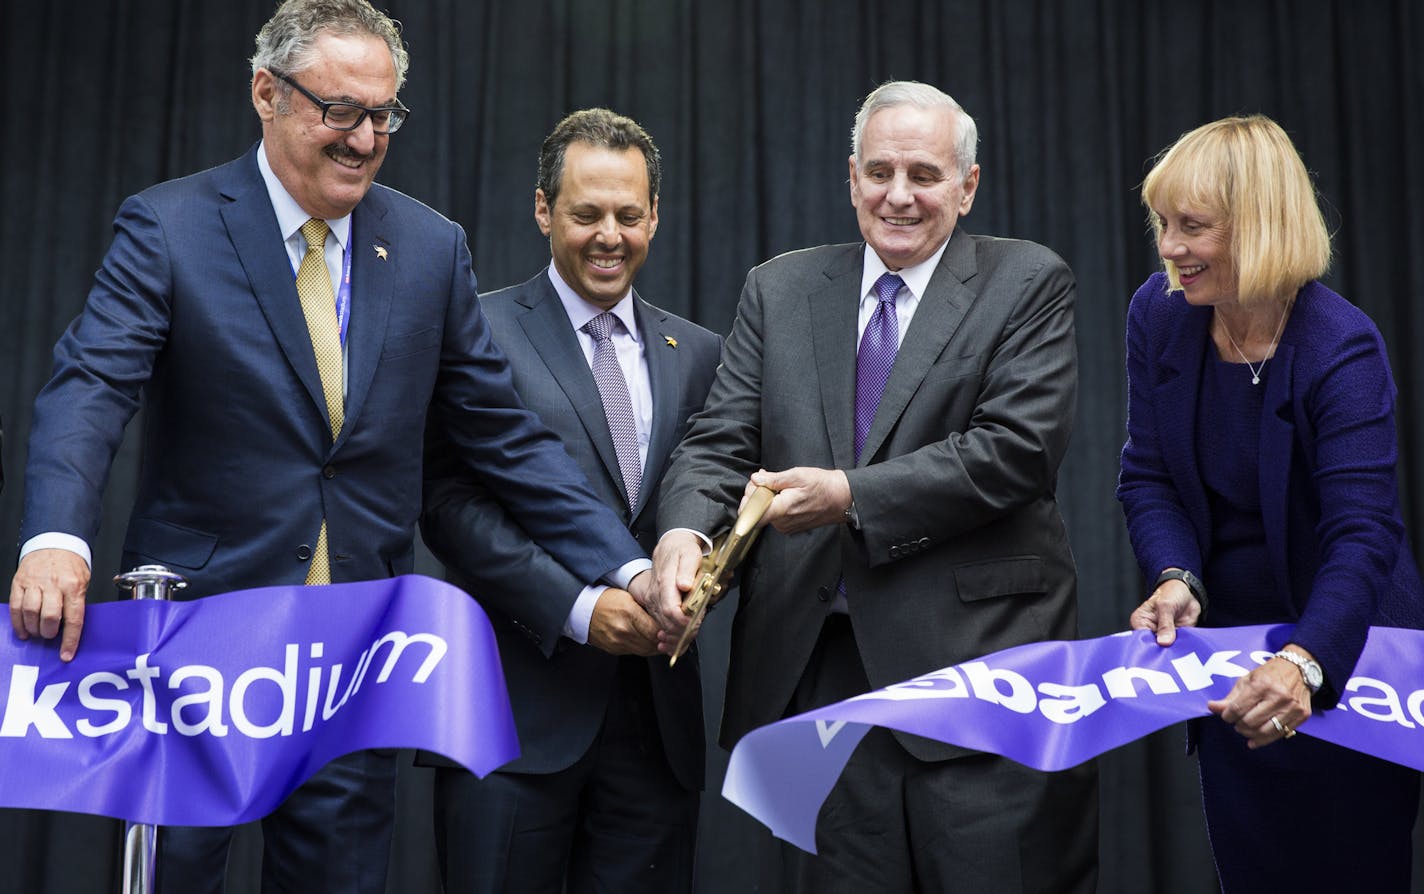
(689, 632)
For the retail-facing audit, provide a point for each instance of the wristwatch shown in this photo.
(1191, 580)
(1310, 670)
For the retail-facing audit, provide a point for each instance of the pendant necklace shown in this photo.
(1257, 370)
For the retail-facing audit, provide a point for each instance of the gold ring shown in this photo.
(1288, 731)
(1280, 728)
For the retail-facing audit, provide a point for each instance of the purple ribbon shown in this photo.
(1053, 705)
(211, 712)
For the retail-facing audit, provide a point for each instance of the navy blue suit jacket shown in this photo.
(195, 307)
(560, 689)
(1329, 499)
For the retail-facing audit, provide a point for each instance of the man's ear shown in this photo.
(264, 94)
(971, 186)
(543, 214)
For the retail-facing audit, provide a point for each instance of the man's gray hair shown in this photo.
(285, 43)
(923, 96)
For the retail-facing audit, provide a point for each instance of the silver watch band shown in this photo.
(1309, 670)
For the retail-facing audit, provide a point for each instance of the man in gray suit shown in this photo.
(912, 397)
(604, 796)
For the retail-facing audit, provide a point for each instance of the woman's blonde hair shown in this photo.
(1246, 170)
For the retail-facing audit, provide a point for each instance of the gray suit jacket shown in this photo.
(559, 689)
(961, 550)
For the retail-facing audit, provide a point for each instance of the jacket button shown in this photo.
(924, 542)
(303, 552)
(894, 552)
(823, 593)
(328, 472)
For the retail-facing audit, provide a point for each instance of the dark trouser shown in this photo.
(1305, 814)
(616, 822)
(893, 823)
(331, 836)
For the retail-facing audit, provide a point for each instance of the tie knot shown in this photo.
(601, 326)
(314, 232)
(888, 286)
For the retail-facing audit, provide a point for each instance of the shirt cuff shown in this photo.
(701, 538)
(58, 540)
(581, 616)
(623, 576)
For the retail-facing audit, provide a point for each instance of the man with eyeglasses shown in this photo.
(287, 324)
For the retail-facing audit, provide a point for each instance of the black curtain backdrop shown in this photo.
(751, 103)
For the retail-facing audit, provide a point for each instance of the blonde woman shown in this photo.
(1259, 468)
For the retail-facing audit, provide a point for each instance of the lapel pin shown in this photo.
(380, 251)
(672, 342)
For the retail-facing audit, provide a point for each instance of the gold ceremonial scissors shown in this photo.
(716, 569)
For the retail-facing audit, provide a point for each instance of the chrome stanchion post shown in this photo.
(141, 839)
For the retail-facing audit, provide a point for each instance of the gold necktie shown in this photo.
(319, 307)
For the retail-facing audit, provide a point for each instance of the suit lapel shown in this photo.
(665, 377)
(941, 310)
(547, 326)
(372, 289)
(833, 309)
(252, 227)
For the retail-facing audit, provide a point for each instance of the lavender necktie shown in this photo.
(617, 405)
(876, 356)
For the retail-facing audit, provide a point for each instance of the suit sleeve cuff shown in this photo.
(58, 540)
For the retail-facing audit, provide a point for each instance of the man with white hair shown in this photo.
(910, 399)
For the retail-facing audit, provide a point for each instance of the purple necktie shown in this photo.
(617, 405)
(876, 356)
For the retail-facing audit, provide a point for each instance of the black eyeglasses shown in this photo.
(345, 116)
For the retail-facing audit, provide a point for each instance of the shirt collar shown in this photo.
(290, 215)
(917, 278)
(580, 310)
